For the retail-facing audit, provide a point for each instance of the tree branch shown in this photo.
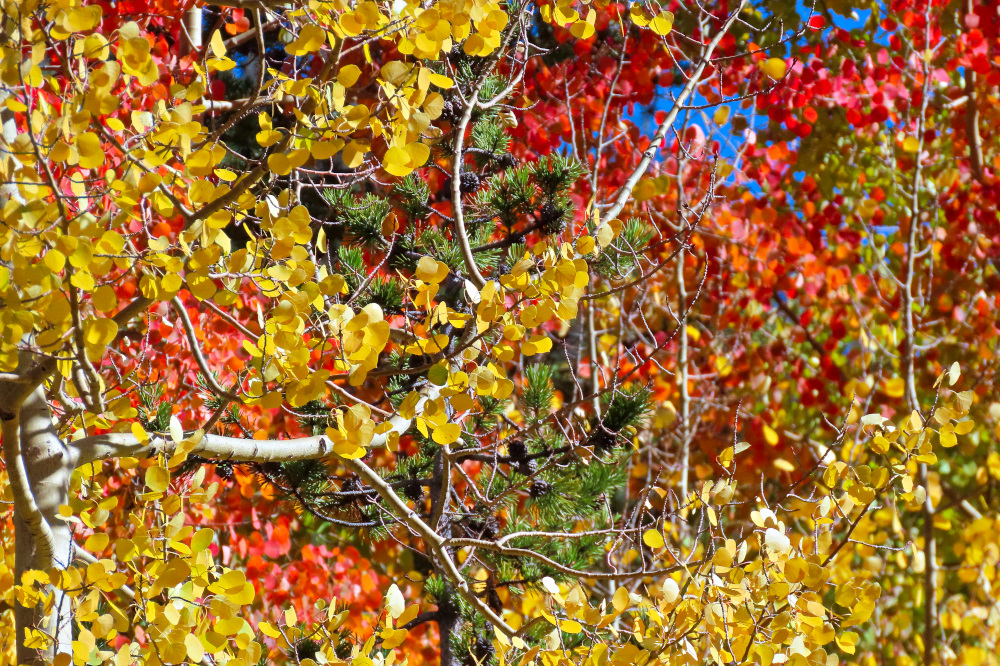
(199, 358)
(668, 122)
(101, 447)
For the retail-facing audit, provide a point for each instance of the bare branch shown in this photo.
(667, 124)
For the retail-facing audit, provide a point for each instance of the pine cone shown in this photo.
(539, 488)
(447, 110)
(306, 649)
(469, 182)
(350, 485)
(517, 451)
(484, 649)
(527, 467)
(506, 161)
(414, 491)
(551, 217)
(602, 440)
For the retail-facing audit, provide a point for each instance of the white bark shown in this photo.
(219, 447)
(8, 162)
(36, 455)
(191, 39)
(50, 464)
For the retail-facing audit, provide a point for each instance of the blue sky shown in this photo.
(645, 116)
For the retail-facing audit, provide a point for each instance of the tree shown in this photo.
(415, 294)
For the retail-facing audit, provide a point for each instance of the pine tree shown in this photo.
(533, 479)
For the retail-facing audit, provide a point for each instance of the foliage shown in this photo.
(486, 333)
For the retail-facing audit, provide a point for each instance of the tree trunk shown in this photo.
(447, 621)
(49, 464)
(191, 30)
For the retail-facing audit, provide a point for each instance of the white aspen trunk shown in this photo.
(191, 30)
(49, 464)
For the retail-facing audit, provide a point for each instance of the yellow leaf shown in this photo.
(310, 39)
(195, 650)
(37, 640)
(911, 144)
(348, 75)
(394, 72)
(157, 479)
(776, 541)
(268, 137)
(447, 433)
(354, 153)
(473, 45)
(394, 602)
(99, 332)
(88, 145)
(441, 81)
(418, 153)
(96, 47)
(662, 24)
(895, 387)
(78, 19)
(279, 164)
(582, 30)
(770, 436)
(538, 344)
(139, 433)
(570, 626)
(431, 271)
(102, 625)
(217, 46)
(774, 67)
(846, 641)
(134, 55)
(393, 638)
(721, 115)
(621, 599)
(202, 539)
(174, 573)
(54, 260)
(784, 465)
(653, 538)
(97, 542)
(323, 150)
(397, 162)
(644, 190)
(880, 444)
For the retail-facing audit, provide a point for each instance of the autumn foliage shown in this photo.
(494, 332)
